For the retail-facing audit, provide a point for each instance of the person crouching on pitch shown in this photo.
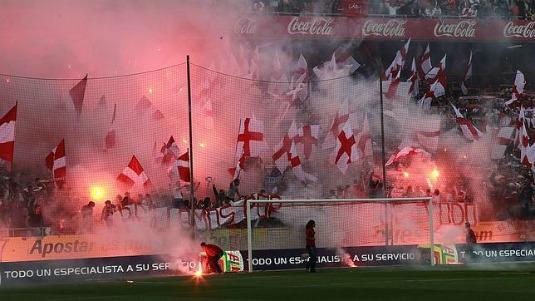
(311, 246)
(213, 253)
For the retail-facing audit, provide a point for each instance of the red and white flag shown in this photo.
(306, 139)
(297, 168)
(169, 152)
(181, 167)
(530, 155)
(56, 162)
(345, 60)
(424, 63)
(134, 176)
(467, 74)
(432, 74)
(518, 125)
(7, 134)
(524, 146)
(518, 88)
(414, 88)
(406, 151)
(364, 141)
(428, 136)
(346, 148)
(393, 87)
(280, 157)
(251, 137)
(300, 73)
(392, 72)
(339, 120)
(250, 143)
(468, 129)
(504, 137)
(330, 70)
(437, 89)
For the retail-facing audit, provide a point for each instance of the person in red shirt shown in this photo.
(213, 253)
(311, 246)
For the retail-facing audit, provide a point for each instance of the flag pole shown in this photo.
(190, 153)
(383, 152)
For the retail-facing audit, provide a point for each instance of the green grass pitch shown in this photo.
(394, 283)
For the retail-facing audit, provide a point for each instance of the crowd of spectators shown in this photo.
(519, 9)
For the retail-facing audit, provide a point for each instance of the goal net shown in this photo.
(348, 232)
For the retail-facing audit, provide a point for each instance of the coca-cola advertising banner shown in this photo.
(384, 28)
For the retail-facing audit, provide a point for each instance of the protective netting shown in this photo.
(292, 124)
(120, 117)
(340, 223)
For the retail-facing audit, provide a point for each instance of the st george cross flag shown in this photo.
(468, 129)
(339, 120)
(306, 139)
(282, 150)
(251, 137)
(250, 143)
(133, 175)
(297, 168)
(345, 151)
(56, 162)
(7, 134)
(437, 89)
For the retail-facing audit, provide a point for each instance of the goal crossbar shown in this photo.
(358, 200)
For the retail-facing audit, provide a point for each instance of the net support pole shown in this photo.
(431, 233)
(386, 223)
(249, 237)
(190, 153)
(383, 156)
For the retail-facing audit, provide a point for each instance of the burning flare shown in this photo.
(198, 273)
(97, 193)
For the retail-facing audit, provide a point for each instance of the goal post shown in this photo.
(340, 223)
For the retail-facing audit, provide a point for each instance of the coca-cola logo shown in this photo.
(392, 28)
(311, 26)
(245, 26)
(461, 29)
(512, 30)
